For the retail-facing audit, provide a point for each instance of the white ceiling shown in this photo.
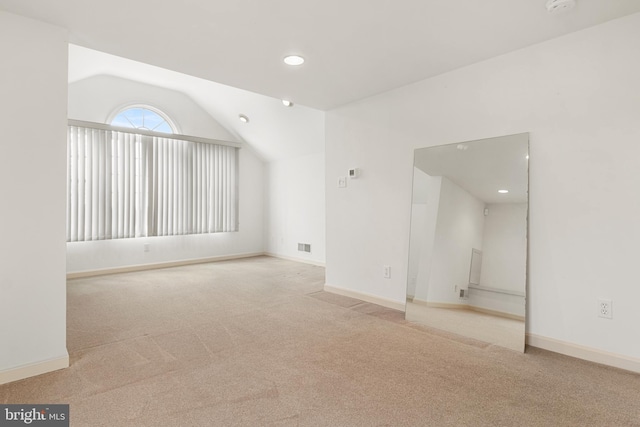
(354, 48)
(275, 132)
(482, 167)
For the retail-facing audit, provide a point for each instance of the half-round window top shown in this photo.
(143, 118)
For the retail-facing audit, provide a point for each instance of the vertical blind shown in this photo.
(122, 185)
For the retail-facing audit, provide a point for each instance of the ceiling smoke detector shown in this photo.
(556, 6)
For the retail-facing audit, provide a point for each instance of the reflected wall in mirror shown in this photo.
(468, 245)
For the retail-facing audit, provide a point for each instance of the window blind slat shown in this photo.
(108, 185)
(99, 180)
(133, 177)
(72, 193)
(165, 187)
(124, 186)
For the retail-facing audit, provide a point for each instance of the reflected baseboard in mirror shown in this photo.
(468, 244)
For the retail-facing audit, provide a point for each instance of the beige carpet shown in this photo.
(257, 342)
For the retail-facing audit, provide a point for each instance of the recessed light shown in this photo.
(293, 60)
(503, 191)
(287, 103)
(243, 118)
(462, 147)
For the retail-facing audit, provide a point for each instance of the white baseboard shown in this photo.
(154, 266)
(502, 314)
(585, 353)
(374, 299)
(288, 258)
(33, 369)
(418, 301)
(468, 307)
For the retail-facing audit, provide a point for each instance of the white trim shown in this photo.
(103, 126)
(496, 290)
(585, 353)
(431, 304)
(154, 266)
(288, 258)
(33, 369)
(374, 299)
(469, 307)
(497, 313)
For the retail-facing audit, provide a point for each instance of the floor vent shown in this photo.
(304, 247)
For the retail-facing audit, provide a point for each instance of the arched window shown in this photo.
(144, 118)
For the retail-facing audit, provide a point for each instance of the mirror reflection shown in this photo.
(468, 245)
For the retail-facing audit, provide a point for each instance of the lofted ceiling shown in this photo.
(354, 49)
(275, 132)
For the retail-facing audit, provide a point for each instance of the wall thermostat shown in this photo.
(353, 173)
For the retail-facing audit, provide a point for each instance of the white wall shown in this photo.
(504, 247)
(498, 302)
(33, 102)
(458, 230)
(95, 99)
(504, 259)
(424, 215)
(98, 98)
(296, 207)
(579, 97)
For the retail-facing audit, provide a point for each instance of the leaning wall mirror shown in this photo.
(468, 244)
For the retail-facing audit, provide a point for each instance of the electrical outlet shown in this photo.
(147, 247)
(605, 308)
(386, 272)
(342, 182)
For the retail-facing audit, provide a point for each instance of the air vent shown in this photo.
(304, 247)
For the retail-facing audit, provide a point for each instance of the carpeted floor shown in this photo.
(257, 342)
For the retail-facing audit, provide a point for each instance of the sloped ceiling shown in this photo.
(274, 131)
(354, 48)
